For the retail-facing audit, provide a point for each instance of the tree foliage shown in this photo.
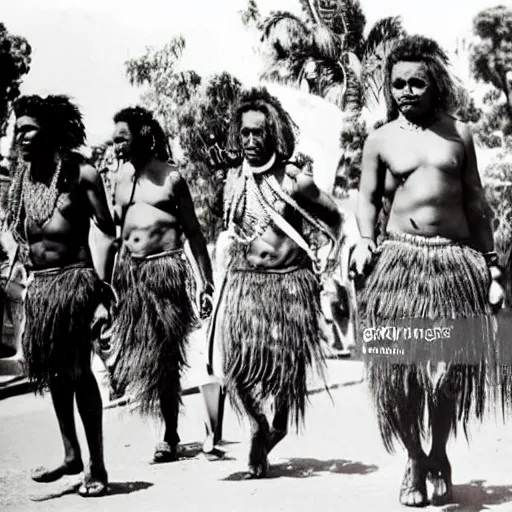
(251, 14)
(15, 58)
(491, 53)
(204, 122)
(327, 54)
(167, 87)
(195, 113)
(352, 139)
(498, 187)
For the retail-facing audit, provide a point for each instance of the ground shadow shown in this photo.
(306, 468)
(476, 497)
(114, 488)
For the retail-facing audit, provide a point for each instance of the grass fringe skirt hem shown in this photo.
(154, 317)
(415, 279)
(59, 309)
(272, 336)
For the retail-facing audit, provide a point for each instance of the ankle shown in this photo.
(73, 460)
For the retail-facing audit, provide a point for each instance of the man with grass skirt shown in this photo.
(265, 324)
(435, 265)
(53, 197)
(152, 277)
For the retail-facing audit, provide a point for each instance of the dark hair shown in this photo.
(281, 128)
(149, 139)
(60, 120)
(418, 48)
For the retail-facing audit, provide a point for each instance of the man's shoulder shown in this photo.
(88, 172)
(462, 129)
(174, 178)
(292, 169)
(381, 134)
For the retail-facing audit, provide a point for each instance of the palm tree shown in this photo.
(327, 52)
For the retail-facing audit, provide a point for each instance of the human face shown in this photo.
(123, 140)
(254, 138)
(28, 137)
(412, 89)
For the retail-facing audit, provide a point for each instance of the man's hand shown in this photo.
(496, 291)
(101, 325)
(361, 258)
(206, 301)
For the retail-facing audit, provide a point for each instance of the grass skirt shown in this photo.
(271, 335)
(59, 308)
(416, 279)
(154, 317)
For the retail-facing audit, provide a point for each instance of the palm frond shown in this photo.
(384, 31)
(354, 22)
(310, 8)
(326, 42)
(354, 93)
(283, 72)
(284, 31)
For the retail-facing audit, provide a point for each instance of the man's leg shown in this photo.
(279, 427)
(62, 393)
(90, 408)
(444, 413)
(413, 491)
(401, 407)
(258, 462)
(214, 399)
(167, 451)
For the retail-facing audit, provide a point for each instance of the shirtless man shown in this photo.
(152, 278)
(266, 321)
(52, 199)
(437, 260)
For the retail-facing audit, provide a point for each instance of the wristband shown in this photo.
(491, 258)
(370, 239)
(495, 272)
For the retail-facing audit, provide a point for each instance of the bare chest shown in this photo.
(67, 218)
(143, 191)
(414, 150)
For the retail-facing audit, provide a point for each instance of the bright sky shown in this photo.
(80, 46)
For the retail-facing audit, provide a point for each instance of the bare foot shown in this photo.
(440, 475)
(45, 475)
(413, 491)
(164, 452)
(258, 462)
(95, 483)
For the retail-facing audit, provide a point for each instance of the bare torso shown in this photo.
(63, 239)
(423, 180)
(274, 249)
(151, 224)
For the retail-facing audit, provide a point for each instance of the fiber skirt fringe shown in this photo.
(59, 309)
(271, 336)
(154, 317)
(418, 278)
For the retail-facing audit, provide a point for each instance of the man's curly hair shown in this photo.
(281, 129)
(417, 48)
(61, 121)
(149, 139)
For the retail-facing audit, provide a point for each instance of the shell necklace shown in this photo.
(39, 199)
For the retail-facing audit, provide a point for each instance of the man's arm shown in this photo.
(369, 201)
(191, 228)
(322, 204)
(95, 193)
(479, 214)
